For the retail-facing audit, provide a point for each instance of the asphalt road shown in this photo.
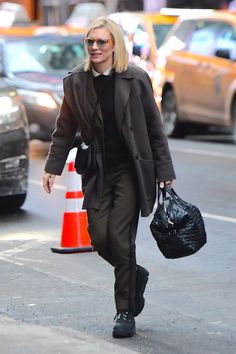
(53, 303)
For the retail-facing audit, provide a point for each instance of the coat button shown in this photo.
(131, 128)
(136, 156)
(98, 150)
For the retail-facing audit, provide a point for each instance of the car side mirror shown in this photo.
(223, 53)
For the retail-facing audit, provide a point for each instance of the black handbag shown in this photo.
(85, 160)
(177, 226)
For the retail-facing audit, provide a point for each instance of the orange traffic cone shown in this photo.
(75, 237)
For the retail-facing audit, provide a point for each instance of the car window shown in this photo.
(161, 31)
(20, 59)
(183, 30)
(203, 37)
(43, 56)
(141, 39)
(177, 40)
(226, 40)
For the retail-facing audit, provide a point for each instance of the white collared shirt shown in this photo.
(106, 73)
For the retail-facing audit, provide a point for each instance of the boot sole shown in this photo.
(118, 333)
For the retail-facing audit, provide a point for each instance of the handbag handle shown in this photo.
(175, 197)
(161, 191)
(170, 191)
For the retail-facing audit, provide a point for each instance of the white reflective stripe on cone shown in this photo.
(73, 181)
(72, 154)
(74, 205)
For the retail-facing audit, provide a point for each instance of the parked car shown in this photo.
(84, 13)
(12, 14)
(197, 72)
(146, 31)
(36, 64)
(144, 34)
(14, 149)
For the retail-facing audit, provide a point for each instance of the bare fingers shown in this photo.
(169, 184)
(48, 181)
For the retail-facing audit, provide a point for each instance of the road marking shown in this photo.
(203, 152)
(214, 216)
(15, 250)
(219, 217)
(11, 256)
(37, 183)
(206, 215)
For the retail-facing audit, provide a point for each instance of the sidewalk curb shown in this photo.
(17, 337)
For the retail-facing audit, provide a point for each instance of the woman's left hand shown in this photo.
(167, 183)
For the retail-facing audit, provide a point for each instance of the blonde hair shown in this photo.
(120, 54)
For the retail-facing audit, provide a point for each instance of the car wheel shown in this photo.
(171, 124)
(12, 202)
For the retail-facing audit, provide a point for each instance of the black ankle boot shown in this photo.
(141, 281)
(124, 324)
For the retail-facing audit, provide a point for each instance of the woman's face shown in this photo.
(100, 48)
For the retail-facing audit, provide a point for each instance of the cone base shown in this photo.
(66, 250)
(75, 231)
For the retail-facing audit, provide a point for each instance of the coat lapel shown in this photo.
(91, 102)
(88, 102)
(84, 89)
(123, 84)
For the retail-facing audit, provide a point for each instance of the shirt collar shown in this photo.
(106, 73)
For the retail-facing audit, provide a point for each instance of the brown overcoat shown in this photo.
(139, 124)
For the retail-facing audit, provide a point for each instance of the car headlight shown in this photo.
(7, 105)
(42, 99)
(10, 113)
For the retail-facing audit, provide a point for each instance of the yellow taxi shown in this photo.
(18, 31)
(146, 31)
(36, 29)
(144, 34)
(197, 72)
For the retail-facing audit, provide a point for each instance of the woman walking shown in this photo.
(111, 103)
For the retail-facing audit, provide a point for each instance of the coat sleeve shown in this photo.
(163, 162)
(62, 137)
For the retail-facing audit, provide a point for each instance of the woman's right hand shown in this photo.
(168, 184)
(48, 181)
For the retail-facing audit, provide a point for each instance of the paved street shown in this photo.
(53, 303)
